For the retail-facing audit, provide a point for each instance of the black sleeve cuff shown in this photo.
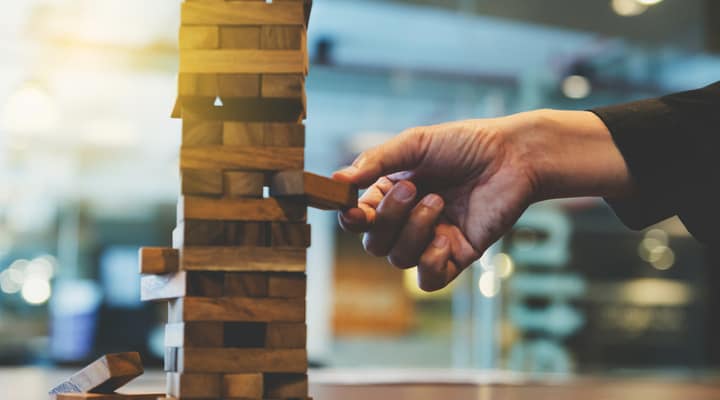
(636, 129)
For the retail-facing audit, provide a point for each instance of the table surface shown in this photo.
(33, 383)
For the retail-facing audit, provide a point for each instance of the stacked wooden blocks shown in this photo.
(235, 277)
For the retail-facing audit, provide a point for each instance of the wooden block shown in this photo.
(104, 375)
(244, 184)
(201, 133)
(206, 182)
(110, 396)
(287, 285)
(242, 61)
(246, 258)
(284, 386)
(245, 334)
(263, 134)
(320, 192)
(235, 209)
(245, 386)
(170, 360)
(194, 386)
(238, 85)
(241, 157)
(285, 335)
(179, 284)
(283, 85)
(195, 334)
(229, 360)
(246, 284)
(289, 234)
(243, 13)
(281, 37)
(246, 233)
(236, 309)
(200, 37)
(205, 85)
(289, 110)
(192, 232)
(240, 37)
(158, 260)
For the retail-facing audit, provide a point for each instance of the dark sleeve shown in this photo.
(671, 148)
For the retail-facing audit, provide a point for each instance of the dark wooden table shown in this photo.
(33, 383)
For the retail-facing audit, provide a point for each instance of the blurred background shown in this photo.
(88, 173)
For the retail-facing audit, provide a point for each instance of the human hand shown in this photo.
(439, 196)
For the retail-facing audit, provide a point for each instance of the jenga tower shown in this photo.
(235, 277)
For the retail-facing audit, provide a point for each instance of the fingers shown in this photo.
(445, 258)
(417, 233)
(360, 219)
(403, 152)
(390, 217)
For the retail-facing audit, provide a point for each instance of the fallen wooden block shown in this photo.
(238, 209)
(236, 309)
(320, 192)
(229, 360)
(104, 375)
(158, 260)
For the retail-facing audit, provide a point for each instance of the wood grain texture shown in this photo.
(285, 335)
(206, 182)
(240, 37)
(320, 192)
(244, 184)
(200, 37)
(288, 110)
(290, 234)
(260, 259)
(246, 284)
(199, 233)
(242, 61)
(287, 285)
(243, 386)
(223, 85)
(241, 157)
(158, 260)
(194, 386)
(195, 334)
(104, 375)
(283, 85)
(285, 386)
(246, 233)
(263, 134)
(179, 284)
(281, 37)
(236, 309)
(201, 133)
(242, 360)
(243, 13)
(269, 209)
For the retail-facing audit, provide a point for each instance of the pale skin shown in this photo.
(438, 196)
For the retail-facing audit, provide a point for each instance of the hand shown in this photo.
(439, 196)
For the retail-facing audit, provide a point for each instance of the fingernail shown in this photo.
(403, 192)
(440, 241)
(432, 201)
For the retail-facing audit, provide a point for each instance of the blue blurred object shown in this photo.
(73, 319)
(119, 277)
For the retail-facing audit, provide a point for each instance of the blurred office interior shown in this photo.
(88, 157)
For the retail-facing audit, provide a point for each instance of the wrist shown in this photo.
(573, 154)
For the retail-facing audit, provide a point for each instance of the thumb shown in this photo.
(401, 153)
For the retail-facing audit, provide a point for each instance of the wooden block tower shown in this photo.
(235, 277)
